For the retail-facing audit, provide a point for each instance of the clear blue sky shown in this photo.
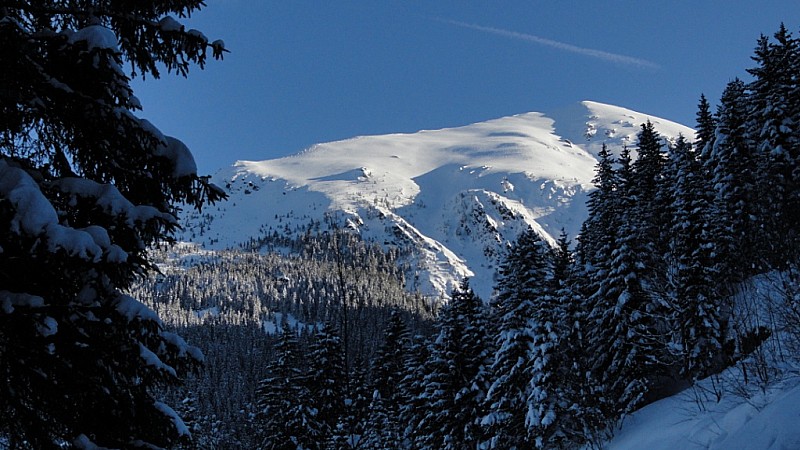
(302, 72)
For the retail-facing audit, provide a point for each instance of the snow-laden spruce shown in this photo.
(86, 186)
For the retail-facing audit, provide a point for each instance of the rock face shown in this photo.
(449, 200)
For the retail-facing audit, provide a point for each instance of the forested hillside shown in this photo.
(236, 305)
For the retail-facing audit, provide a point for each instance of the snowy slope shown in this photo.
(452, 198)
(766, 420)
(752, 405)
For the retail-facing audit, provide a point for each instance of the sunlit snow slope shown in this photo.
(451, 199)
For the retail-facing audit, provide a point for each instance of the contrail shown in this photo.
(599, 54)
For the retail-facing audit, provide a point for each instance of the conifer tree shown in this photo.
(563, 261)
(569, 358)
(382, 430)
(649, 197)
(523, 286)
(697, 307)
(621, 332)
(547, 401)
(599, 234)
(774, 128)
(387, 368)
(598, 243)
(414, 407)
(731, 165)
(327, 380)
(85, 187)
(456, 379)
(706, 125)
(288, 419)
(387, 374)
(599, 228)
(350, 429)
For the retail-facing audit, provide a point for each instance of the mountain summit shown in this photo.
(449, 199)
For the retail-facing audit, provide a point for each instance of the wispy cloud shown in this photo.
(599, 54)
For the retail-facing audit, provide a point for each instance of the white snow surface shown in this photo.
(180, 426)
(766, 421)
(455, 196)
(35, 216)
(96, 37)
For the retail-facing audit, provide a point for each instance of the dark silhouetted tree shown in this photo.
(85, 187)
(706, 125)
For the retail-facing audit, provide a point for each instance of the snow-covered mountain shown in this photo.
(451, 199)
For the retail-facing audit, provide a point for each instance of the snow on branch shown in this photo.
(180, 426)
(33, 211)
(82, 442)
(110, 200)
(182, 347)
(170, 25)
(97, 37)
(8, 300)
(171, 148)
(180, 156)
(132, 309)
(34, 216)
(151, 359)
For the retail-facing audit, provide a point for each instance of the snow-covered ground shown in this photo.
(753, 405)
(768, 420)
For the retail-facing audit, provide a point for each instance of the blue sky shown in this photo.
(302, 72)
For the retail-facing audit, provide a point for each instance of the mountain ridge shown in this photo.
(452, 198)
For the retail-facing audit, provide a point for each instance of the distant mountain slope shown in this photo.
(450, 199)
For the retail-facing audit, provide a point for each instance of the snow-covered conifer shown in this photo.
(731, 165)
(85, 187)
(286, 414)
(697, 307)
(514, 400)
(706, 125)
(621, 326)
(648, 195)
(774, 128)
(326, 379)
(455, 381)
